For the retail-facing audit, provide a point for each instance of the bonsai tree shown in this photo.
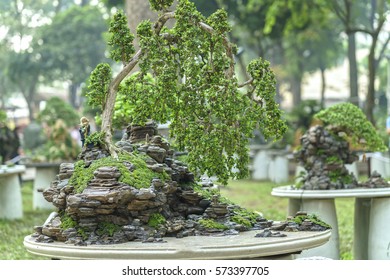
(326, 148)
(187, 76)
(135, 189)
(349, 122)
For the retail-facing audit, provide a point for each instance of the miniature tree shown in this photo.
(194, 86)
(136, 190)
(348, 121)
(326, 148)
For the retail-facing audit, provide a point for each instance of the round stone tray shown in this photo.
(290, 192)
(242, 246)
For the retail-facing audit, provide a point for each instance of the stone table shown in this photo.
(242, 246)
(45, 173)
(11, 205)
(371, 226)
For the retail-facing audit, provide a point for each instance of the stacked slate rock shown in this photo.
(110, 211)
(324, 156)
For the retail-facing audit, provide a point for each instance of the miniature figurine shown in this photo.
(84, 130)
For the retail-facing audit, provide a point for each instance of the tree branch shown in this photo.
(246, 83)
(227, 45)
(382, 51)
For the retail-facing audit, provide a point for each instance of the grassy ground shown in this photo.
(253, 195)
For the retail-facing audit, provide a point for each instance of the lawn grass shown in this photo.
(253, 195)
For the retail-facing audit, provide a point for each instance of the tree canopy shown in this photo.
(194, 86)
(354, 125)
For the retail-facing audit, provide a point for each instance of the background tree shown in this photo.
(20, 71)
(24, 72)
(71, 46)
(195, 87)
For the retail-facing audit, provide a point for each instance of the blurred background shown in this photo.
(323, 52)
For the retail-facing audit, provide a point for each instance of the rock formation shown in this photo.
(324, 155)
(144, 196)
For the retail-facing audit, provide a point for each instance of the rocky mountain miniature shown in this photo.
(144, 195)
(324, 155)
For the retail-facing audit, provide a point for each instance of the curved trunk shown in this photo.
(109, 107)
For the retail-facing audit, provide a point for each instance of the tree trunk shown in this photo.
(296, 90)
(370, 98)
(323, 87)
(353, 70)
(73, 95)
(137, 11)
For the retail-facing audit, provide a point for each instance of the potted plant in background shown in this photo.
(333, 141)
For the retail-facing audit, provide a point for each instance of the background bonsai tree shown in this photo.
(326, 148)
(350, 123)
(187, 76)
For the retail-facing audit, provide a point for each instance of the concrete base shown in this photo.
(325, 209)
(45, 173)
(242, 246)
(379, 231)
(11, 205)
(361, 228)
(370, 221)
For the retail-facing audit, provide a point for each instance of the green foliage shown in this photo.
(96, 138)
(72, 44)
(67, 221)
(241, 220)
(106, 228)
(99, 82)
(55, 109)
(313, 218)
(244, 217)
(140, 177)
(59, 147)
(338, 176)
(3, 117)
(206, 193)
(211, 224)
(156, 219)
(194, 87)
(350, 119)
(160, 5)
(121, 39)
(334, 160)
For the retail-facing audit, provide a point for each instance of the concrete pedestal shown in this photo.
(368, 224)
(379, 231)
(45, 173)
(325, 209)
(11, 205)
(241, 246)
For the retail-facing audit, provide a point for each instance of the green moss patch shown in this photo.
(313, 218)
(244, 217)
(105, 228)
(211, 224)
(156, 220)
(140, 177)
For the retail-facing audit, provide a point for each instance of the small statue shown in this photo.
(84, 130)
